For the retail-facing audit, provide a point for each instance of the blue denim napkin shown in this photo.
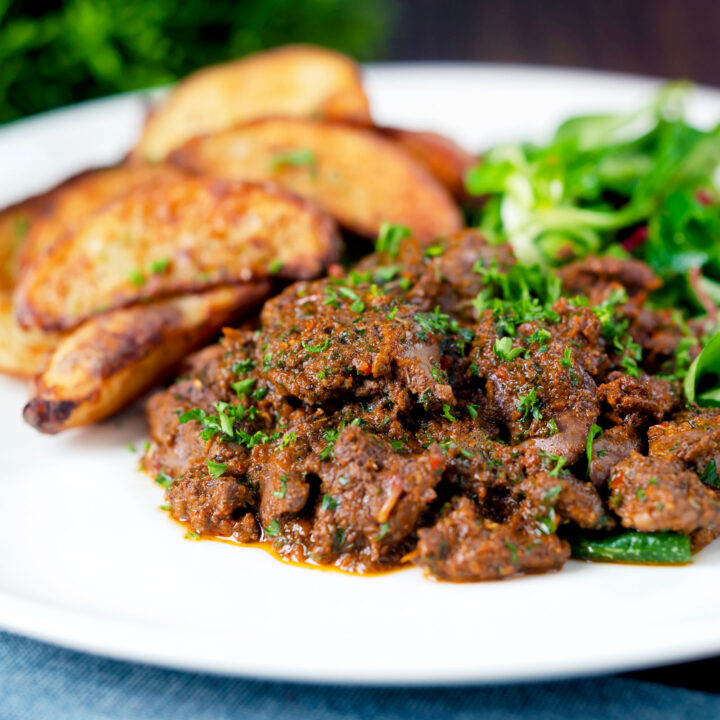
(41, 682)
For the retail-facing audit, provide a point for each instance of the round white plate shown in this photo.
(87, 559)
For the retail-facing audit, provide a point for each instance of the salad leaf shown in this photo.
(642, 184)
(702, 382)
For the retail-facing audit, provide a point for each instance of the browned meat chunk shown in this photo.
(550, 490)
(650, 494)
(217, 506)
(546, 399)
(597, 277)
(324, 339)
(614, 445)
(463, 547)
(693, 439)
(636, 402)
(372, 497)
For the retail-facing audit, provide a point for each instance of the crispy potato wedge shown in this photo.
(15, 224)
(111, 360)
(297, 80)
(23, 353)
(80, 196)
(444, 158)
(182, 235)
(357, 176)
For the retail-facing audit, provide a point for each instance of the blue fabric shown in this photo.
(41, 682)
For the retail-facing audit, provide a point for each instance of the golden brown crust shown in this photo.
(296, 80)
(357, 176)
(111, 360)
(23, 353)
(180, 235)
(443, 157)
(80, 196)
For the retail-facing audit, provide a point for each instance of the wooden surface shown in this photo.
(668, 38)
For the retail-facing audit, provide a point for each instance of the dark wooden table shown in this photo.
(668, 38)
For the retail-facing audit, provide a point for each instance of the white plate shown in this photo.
(88, 560)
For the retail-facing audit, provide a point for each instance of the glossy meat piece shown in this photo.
(636, 402)
(692, 438)
(650, 495)
(215, 506)
(372, 497)
(615, 444)
(597, 277)
(463, 547)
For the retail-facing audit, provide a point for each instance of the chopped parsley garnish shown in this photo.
(529, 405)
(331, 435)
(595, 431)
(473, 410)
(243, 387)
(224, 422)
(447, 414)
(435, 322)
(550, 496)
(385, 273)
(434, 251)
(513, 552)
(329, 503)
(289, 438)
(216, 469)
(159, 266)
(566, 360)
(504, 349)
(280, 494)
(316, 348)
(136, 277)
(297, 157)
(383, 531)
(164, 480)
(272, 529)
(243, 366)
(260, 393)
(390, 237)
(275, 266)
(192, 535)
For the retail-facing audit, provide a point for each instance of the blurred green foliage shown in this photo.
(53, 54)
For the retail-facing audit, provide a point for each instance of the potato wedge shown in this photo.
(111, 360)
(297, 80)
(443, 157)
(15, 223)
(80, 196)
(185, 235)
(23, 353)
(357, 176)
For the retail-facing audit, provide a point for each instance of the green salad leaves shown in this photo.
(641, 184)
(702, 382)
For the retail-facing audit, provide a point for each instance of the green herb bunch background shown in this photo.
(53, 54)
